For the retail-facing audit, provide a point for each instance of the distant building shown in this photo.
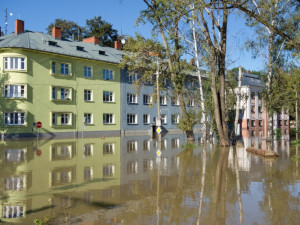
(253, 117)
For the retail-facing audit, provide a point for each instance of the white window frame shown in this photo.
(108, 118)
(163, 100)
(65, 119)
(175, 119)
(146, 118)
(64, 69)
(191, 103)
(132, 146)
(65, 94)
(14, 91)
(108, 96)
(14, 63)
(132, 98)
(88, 95)
(108, 74)
(87, 71)
(108, 148)
(14, 118)
(147, 99)
(163, 118)
(132, 118)
(108, 170)
(88, 118)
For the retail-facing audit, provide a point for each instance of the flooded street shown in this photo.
(121, 180)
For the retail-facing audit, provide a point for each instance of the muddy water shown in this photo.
(123, 181)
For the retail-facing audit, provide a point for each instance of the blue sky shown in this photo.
(38, 14)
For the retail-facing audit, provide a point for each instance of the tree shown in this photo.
(165, 16)
(69, 29)
(101, 29)
(212, 20)
(287, 28)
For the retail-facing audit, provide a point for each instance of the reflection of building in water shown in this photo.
(74, 165)
(243, 157)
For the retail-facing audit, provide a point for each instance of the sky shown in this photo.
(122, 14)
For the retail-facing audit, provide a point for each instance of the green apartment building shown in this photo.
(69, 86)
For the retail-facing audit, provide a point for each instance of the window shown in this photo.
(253, 123)
(64, 69)
(88, 118)
(147, 99)
(260, 123)
(14, 118)
(59, 68)
(88, 95)
(175, 143)
(252, 95)
(107, 74)
(132, 146)
(131, 98)
(108, 96)
(146, 118)
(259, 109)
(108, 170)
(108, 118)
(163, 100)
(148, 165)
(132, 77)
(14, 63)
(88, 173)
(61, 118)
(285, 123)
(164, 118)
(191, 103)
(87, 72)
(108, 148)
(132, 167)
(175, 119)
(174, 101)
(64, 93)
(88, 150)
(252, 109)
(65, 118)
(14, 91)
(131, 118)
(146, 145)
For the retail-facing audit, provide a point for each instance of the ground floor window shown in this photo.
(14, 118)
(131, 118)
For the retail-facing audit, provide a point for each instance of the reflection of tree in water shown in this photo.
(279, 203)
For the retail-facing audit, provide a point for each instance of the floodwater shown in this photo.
(121, 180)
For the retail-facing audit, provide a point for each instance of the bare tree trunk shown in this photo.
(204, 129)
(237, 105)
(297, 120)
(202, 183)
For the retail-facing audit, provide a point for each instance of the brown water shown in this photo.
(122, 181)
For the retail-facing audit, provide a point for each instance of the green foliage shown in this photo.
(296, 142)
(186, 123)
(46, 221)
(94, 27)
(101, 29)
(278, 133)
(293, 132)
(68, 29)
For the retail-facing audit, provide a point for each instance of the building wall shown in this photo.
(38, 104)
(140, 109)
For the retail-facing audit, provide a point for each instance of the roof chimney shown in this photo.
(94, 40)
(118, 45)
(192, 61)
(19, 26)
(56, 32)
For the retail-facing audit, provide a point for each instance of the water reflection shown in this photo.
(122, 181)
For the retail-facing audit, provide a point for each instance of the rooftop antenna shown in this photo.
(6, 23)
